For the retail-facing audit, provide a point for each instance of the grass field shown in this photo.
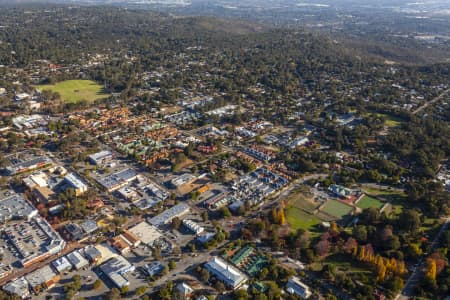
(396, 198)
(336, 208)
(298, 200)
(299, 219)
(74, 91)
(390, 121)
(368, 201)
(344, 263)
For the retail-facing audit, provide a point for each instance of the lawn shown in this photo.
(344, 263)
(74, 91)
(368, 201)
(299, 219)
(391, 121)
(395, 197)
(336, 208)
(298, 200)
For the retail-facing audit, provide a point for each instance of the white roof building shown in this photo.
(61, 265)
(75, 182)
(18, 287)
(77, 260)
(169, 214)
(147, 233)
(192, 226)
(295, 286)
(116, 268)
(226, 273)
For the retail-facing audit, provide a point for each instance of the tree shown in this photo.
(176, 223)
(225, 212)
(322, 247)
(219, 286)
(409, 220)
(172, 264)
(204, 275)
(360, 233)
(140, 290)
(97, 284)
(113, 294)
(205, 216)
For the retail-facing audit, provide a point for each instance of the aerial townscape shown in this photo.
(207, 150)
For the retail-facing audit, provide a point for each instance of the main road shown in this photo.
(436, 99)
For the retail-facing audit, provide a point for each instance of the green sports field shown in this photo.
(74, 91)
(368, 201)
(299, 219)
(336, 208)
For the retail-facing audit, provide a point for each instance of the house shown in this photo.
(184, 290)
(22, 96)
(295, 287)
(120, 244)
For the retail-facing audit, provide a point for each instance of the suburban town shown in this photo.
(176, 183)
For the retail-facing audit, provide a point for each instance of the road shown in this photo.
(438, 98)
(24, 271)
(410, 285)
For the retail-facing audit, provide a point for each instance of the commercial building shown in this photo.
(115, 269)
(153, 269)
(14, 206)
(77, 260)
(182, 180)
(18, 287)
(62, 265)
(295, 286)
(28, 165)
(43, 278)
(89, 226)
(92, 254)
(146, 233)
(226, 273)
(76, 183)
(168, 215)
(101, 158)
(192, 226)
(118, 179)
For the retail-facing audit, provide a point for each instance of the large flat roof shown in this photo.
(146, 233)
(167, 215)
(15, 206)
(226, 272)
